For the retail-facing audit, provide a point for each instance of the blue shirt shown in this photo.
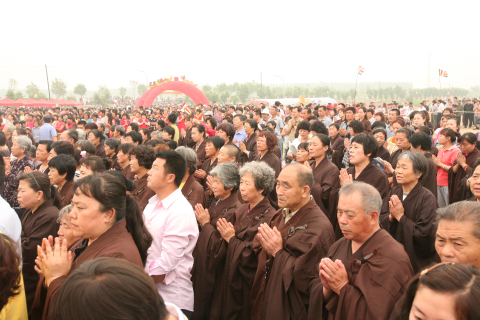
(47, 132)
(240, 136)
(36, 134)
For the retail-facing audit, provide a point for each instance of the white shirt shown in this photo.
(10, 224)
(175, 311)
(173, 226)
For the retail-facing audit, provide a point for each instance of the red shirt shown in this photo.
(447, 157)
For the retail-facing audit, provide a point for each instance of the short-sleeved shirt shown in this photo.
(447, 157)
(240, 136)
(47, 132)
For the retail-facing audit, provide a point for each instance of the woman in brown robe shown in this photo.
(198, 136)
(212, 148)
(141, 160)
(401, 139)
(211, 249)
(191, 189)
(97, 138)
(380, 135)
(249, 147)
(337, 145)
(408, 213)
(257, 180)
(61, 173)
(39, 221)
(103, 199)
(266, 141)
(421, 142)
(462, 167)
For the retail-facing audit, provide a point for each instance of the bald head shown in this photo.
(303, 175)
(293, 187)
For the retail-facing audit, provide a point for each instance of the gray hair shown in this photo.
(190, 157)
(463, 211)
(263, 175)
(24, 142)
(82, 135)
(120, 129)
(159, 134)
(64, 212)
(228, 174)
(369, 195)
(10, 127)
(304, 176)
(419, 162)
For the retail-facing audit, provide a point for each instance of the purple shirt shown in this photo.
(174, 229)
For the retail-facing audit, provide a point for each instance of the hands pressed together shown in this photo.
(333, 276)
(270, 239)
(53, 260)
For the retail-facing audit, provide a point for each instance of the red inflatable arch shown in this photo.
(190, 90)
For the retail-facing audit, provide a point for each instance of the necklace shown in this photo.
(43, 168)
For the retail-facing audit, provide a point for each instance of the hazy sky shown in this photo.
(108, 42)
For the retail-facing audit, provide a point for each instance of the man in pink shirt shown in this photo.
(444, 161)
(170, 219)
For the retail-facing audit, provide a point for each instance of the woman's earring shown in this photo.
(38, 199)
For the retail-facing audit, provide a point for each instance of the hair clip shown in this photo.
(83, 154)
(425, 271)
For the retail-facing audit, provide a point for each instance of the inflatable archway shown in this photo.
(190, 90)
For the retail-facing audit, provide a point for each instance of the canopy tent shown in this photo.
(7, 102)
(72, 102)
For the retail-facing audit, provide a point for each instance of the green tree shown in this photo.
(80, 90)
(102, 96)
(344, 95)
(289, 93)
(71, 97)
(122, 91)
(206, 88)
(32, 90)
(351, 93)
(221, 88)
(224, 96)
(41, 95)
(142, 88)
(243, 92)
(59, 88)
(10, 94)
(234, 98)
(134, 85)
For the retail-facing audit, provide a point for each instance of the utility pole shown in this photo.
(48, 82)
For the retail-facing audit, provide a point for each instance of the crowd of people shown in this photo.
(241, 212)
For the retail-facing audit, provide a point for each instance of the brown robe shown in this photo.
(208, 194)
(276, 151)
(200, 153)
(241, 260)
(274, 162)
(430, 180)
(373, 176)
(116, 242)
(251, 145)
(142, 193)
(187, 141)
(66, 194)
(193, 191)
(209, 259)
(374, 290)
(100, 151)
(36, 226)
(325, 180)
(337, 144)
(416, 229)
(383, 153)
(280, 290)
(127, 172)
(457, 189)
(367, 126)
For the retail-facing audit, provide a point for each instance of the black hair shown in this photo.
(144, 154)
(146, 132)
(229, 129)
(425, 129)
(422, 140)
(273, 123)
(63, 147)
(216, 141)
(172, 118)
(134, 126)
(11, 275)
(136, 136)
(325, 140)
(252, 123)
(170, 131)
(357, 126)
(125, 147)
(174, 164)
(64, 164)
(381, 130)
(172, 144)
(369, 143)
(448, 133)
(351, 109)
(97, 134)
(112, 194)
(3, 138)
(201, 129)
(73, 134)
(303, 125)
(336, 125)
(113, 143)
(241, 117)
(96, 164)
(39, 181)
(380, 124)
(213, 122)
(319, 127)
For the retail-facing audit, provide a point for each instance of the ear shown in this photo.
(305, 191)
(109, 216)
(374, 215)
(39, 194)
(170, 178)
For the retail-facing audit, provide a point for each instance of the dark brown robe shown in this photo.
(457, 189)
(374, 290)
(127, 172)
(36, 226)
(383, 153)
(394, 157)
(338, 145)
(208, 194)
(281, 287)
(325, 180)
(116, 242)
(430, 180)
(416, 229)
(373, 176)
(66, 194)
(100, 150)
(251, 145)
(434, 151)
(187, 141)
(209, 260)
(200, 153)
(274, 162)
(276, 151)
(193, 191)
(142, 193)
(367, 126)
(241, 260)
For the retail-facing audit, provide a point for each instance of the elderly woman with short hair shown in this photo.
(408, 211)
(192, 190)
(266, 141)
(211, 249)
(20, 147)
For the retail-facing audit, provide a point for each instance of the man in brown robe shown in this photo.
(209, 258)
(289, 249)
(363, 150)
(367, 271)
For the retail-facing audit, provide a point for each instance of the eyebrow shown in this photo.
(283, 182)
(419, 309)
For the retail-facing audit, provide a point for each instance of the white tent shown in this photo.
(294, 101)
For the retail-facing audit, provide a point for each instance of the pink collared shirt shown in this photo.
(447, 157)
(174, 229)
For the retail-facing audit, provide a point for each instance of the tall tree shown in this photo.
(59, 87)
(80, 90)
(142, 88)
(102, 96)
(224, 96)
(32, 90)
(134, 85)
